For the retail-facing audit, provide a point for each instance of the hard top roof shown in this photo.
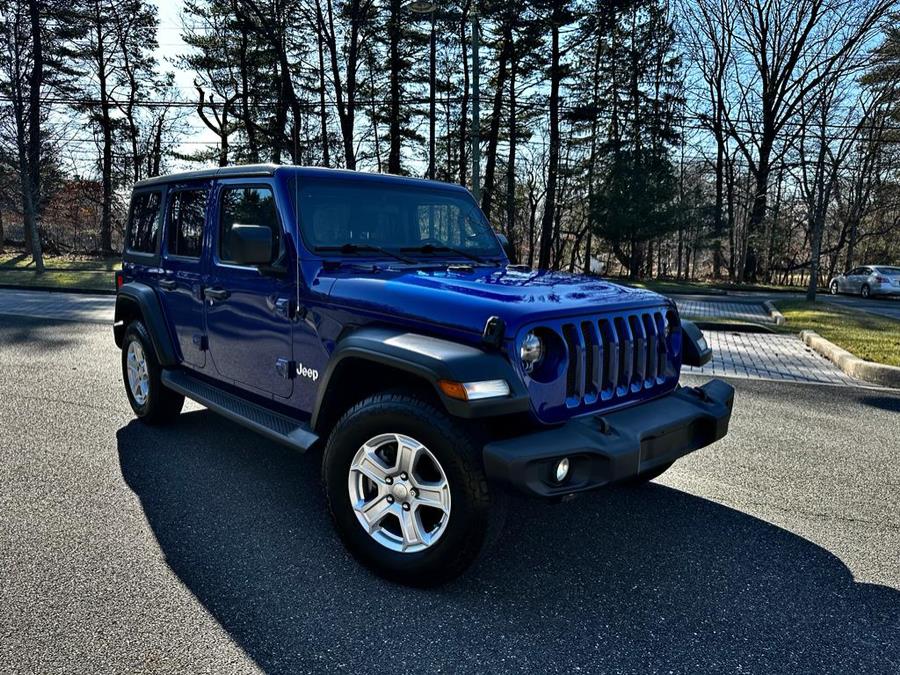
(260, 170)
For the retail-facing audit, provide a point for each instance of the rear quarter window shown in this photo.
(144, 222)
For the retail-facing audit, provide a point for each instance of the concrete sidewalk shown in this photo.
(768, 357)
(65, 306)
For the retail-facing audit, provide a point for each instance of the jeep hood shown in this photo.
(465, 298)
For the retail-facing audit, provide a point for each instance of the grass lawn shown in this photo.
(870, 337)
(69, 272)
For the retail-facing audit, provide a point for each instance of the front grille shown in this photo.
(614, 357)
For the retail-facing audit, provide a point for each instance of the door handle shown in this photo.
(218, 294)
(168, 284)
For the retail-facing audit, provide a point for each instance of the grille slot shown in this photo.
(614, 357)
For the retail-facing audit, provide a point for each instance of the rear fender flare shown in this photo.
(140, 299)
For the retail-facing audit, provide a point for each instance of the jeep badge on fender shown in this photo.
(432, 376)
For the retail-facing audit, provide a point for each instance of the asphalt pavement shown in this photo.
(202, 547)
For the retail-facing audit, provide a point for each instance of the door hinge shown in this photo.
(285, 307)
(201, 342)
(285, 368)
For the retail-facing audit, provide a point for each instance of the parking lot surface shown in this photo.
(201, 547)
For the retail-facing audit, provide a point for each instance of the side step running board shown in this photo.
(270, 424)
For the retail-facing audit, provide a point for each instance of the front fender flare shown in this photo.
(431, 359)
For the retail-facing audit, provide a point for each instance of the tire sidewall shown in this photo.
(470, 506)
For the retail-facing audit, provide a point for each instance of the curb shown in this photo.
(57, 289)
(876, 373)
(777, 316)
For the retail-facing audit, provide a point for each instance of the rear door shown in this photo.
(183, 263)
(248, 317)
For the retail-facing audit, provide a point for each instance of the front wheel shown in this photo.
(407, 491)
(866, 291)
(834, 288)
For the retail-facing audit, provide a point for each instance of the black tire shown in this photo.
(475, 515)
(647, 476)
(866, 291)
(834, 288)
(162, 405)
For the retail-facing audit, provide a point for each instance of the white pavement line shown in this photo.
(63, 306)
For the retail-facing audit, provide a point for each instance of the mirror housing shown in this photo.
(251, 244)
(694, 350)
(507, 248)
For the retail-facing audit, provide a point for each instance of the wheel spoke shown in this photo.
(371, 467)
(408, 452)
(433, 495)
(411, 526)
(373, 512)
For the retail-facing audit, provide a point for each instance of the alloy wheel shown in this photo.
(138, 376)
(399, 493)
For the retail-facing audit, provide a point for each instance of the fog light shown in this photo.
(562, 469)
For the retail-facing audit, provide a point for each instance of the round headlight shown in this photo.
(531, 352)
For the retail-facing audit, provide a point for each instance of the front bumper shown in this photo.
(607, 448)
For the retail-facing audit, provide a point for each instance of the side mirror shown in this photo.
(507, 248)
(251, 244)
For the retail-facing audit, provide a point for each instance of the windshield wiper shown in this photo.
(350, 247)
(431, 248)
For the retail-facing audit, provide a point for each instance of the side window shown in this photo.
(187, 213)
(247, 206)
(143, 226)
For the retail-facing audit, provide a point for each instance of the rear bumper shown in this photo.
(886, 290)
(607, 448)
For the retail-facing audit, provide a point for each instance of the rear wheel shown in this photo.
(407, 491)
(152, 402)
(866, 291)
(834, 288)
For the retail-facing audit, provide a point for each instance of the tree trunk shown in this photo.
(323, 112)
(394, 109)
(553, 161)
(432, 100)
(464, 104)
(511, 160)
(487, 194)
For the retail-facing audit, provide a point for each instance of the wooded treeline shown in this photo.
(752, 140)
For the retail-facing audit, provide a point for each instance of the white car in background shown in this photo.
(868, 281)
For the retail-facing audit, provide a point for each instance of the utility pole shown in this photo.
(476, 109)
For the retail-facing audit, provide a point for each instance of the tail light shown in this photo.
(880, 279)
(120, 279)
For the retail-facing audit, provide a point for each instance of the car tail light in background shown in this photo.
(120, 279)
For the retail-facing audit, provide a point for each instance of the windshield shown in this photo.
(344, 216)
(890, 271)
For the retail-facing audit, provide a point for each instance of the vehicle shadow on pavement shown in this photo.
(631, 580)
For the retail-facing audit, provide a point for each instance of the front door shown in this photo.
(247, 308)
(181, 283)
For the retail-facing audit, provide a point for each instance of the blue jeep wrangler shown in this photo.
(381, 318)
